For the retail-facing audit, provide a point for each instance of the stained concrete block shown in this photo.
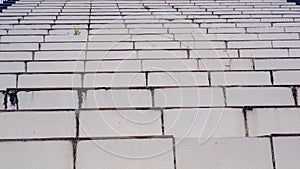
(49, 81)
(47, 99)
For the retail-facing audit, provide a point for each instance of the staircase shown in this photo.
(150, 84)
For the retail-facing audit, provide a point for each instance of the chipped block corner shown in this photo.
(149, 84)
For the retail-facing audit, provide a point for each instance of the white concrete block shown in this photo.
(240, 78)
(294, 52)
(275, 64)
(104, 31)
(36, 154)
(120, 123)
(115, 80)
(64, 46)
(160, 37)
(18, 46)
(69, 66)
(224, 153)
(2, 97)
(49, 80)
(82, 37)
(266, 121)
(114, 38)
(27, 32)
(13, 56)
(109, 45)
(230, 37)
(178, 79)
(7, 81)
(204, 123)
(286, 150)
(157, 45)
(161, 54)
(24, 38)
(15, 125)
(145, 30)
(59, 55)
(250, 44)
(188, 97)
(286, 77)
(170, 65)
(226, 30)
(202, 45)
(286, 44)
(117, 98)
(278, 36)
(6, 67)
(225, 64)
(259, 96)
(102, 55)
(113, 66)
(265, 30)
(58, 99)
(129, 153)
(253, 53)
(215, 53)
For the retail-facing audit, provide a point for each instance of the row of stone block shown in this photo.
(183, 97)
(159, 153)
(152, 79)
(200, 123)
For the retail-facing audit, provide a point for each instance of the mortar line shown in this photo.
(272, 152)
(246, 122)
(174, 151)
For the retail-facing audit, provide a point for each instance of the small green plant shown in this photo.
(229, 64)
(194, 39)
(76, 31)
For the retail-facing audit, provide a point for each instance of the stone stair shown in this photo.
(150, 84)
